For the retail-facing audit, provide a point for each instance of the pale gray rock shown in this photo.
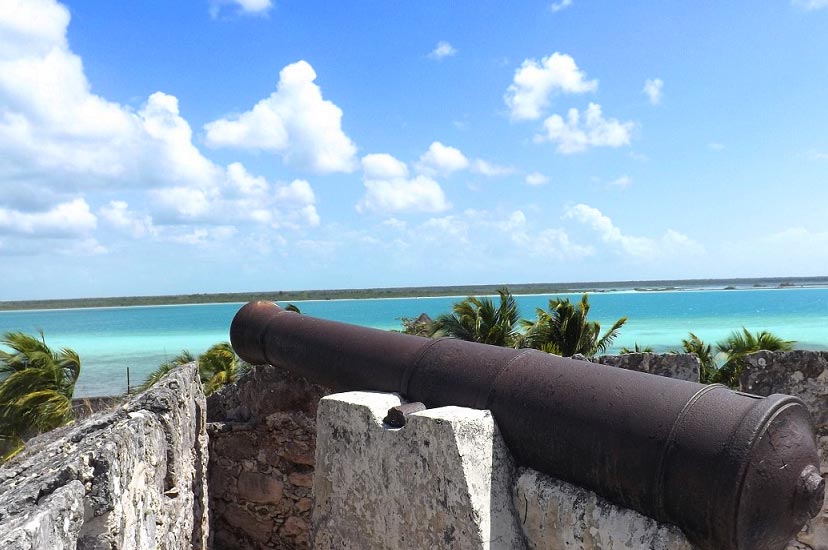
(681, 366)
(556, 515)
(442, 481)
(131, 478)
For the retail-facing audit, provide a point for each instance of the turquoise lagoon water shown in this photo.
(111, 339)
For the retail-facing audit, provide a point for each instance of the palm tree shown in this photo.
(707, 359)
(36, 388)
(565, 331)
(217, 366)
(738, 345)
(479, 320)
(220, 365)
(181, 359)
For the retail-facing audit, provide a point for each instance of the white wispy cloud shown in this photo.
(294, 121)
(442, 159)
(670, 244)
(442, 50)
(621, 182)
(578, 132)
(490, 169)
(652, 88)
(389, 190)
(715, 146)
(536, 178)
(244, 7)
(561, 5)
(810, 5)
(536, 81)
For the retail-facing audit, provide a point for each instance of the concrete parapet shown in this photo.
(130, 478)
(442, 481)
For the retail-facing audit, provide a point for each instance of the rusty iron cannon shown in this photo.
(732, 470)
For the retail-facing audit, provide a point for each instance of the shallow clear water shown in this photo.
(111, 339)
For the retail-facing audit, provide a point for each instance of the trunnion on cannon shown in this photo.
(732, 470)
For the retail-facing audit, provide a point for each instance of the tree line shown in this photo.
(563, 328)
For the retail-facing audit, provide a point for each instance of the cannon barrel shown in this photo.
(732, 470)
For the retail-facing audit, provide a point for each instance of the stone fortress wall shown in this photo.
(137, 477)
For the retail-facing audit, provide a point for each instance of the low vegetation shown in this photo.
(217, 366)
(564, 329)
(36, 388)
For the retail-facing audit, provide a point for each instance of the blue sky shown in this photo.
(242, 145)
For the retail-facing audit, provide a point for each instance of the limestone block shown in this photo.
(131, 478)
(556, 515)
(680, 366)
(800, 373)
(442, 481)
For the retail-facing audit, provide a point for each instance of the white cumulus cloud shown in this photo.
(535, 82)
(389, 190)
(671, 244)
(381, 166)
(294, 121)
(64, 220)
(442, 159)
(118, 215)
(441, 50)
(578, 132)
(652, 88)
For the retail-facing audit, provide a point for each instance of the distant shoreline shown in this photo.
(425, 291)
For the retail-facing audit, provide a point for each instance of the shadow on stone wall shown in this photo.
(262, 442)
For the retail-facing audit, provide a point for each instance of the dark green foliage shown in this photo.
(708, 367)
(417, 326)
(217, 366)
(220, 365)
(564, 330)
(738, 345)
(636, 349)
(36, 388)
(479, 320)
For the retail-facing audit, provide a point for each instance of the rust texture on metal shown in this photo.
(734, 471)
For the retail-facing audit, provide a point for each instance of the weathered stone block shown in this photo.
(679, 366)
(442, 481)
(556, 514)
(252, 525)
(132, 478)
(257, 487)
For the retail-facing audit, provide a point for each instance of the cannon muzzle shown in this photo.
(734, 471)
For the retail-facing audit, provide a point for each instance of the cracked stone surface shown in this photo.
(442, 481)
(131, 478)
